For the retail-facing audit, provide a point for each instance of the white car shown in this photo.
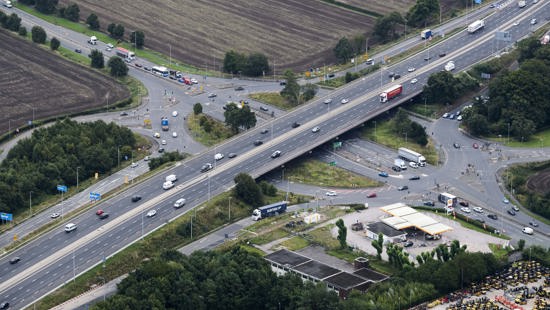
(219, 156)
(445, 115)
(194, 81)
(411, 69)
(146, 158)
(459, 118)
(151, 213)
(328, 100)
(465, 210)
(175, 113)
(533, 21)
(167, 185)
(413, 164)
(331, 193)
(133, 165)
(109, 45)
(157, 135)
(345, 100)
(478, 209)
(174, 134)
(316, 129)
(413, 81)
(163, 142)
(54, 215)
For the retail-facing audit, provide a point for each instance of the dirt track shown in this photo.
(33, 77)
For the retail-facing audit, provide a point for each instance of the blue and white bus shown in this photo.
(162, 71)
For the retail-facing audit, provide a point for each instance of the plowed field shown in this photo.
(540, 182)
(401, 6)
(292, 33)
(34, 78)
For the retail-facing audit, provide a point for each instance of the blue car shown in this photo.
(383, 174)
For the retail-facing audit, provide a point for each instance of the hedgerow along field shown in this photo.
(36, 80)
(401, 6)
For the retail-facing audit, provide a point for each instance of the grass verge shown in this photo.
(272, 98)
(210, 133)
(499, 251)
(295, 243)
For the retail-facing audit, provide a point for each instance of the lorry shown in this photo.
(391, 93)
(269, 210)
(400, 163)
(522, 4)
(425, 34)
(475, 26)
(164, 123)
(124, 53)
(450, 66)
(92, 40)
(172, 178)
(411, 155)
(7, 3)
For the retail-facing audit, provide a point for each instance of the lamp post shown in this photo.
(77, 178)
(230, 209)
(30, 203)
(118, 156)
(508, 140)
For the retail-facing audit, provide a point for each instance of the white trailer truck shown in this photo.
(475, 26)
(411, 155)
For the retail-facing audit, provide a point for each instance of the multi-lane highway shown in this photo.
(57, 257)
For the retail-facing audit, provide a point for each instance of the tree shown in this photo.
(138, 38)
(117, 66)
(342, 233)
(46, 6)
(309, 91)
(111, 29)
(22, 31)
(247, 190)
(385, 27)
(256, 65)
(423, 12)
(93, 22)
(343, 50)
(96, 59)
(477, 124)
(441, 87)
(521, 244)
(72, 12)
(13, 22)
(378, 244)
(233, 62)
(291, 91)
(236, 117)
(118, 31)
(197, 108)
(54, 44)
(38, 35)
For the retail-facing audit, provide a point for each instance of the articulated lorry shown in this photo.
(475, 26)
(411, 155)
(391, 93)
(269, 210)
(92, 40)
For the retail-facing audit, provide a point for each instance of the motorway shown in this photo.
(57, 257)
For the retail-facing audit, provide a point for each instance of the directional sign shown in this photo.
(95, 196)
(62, 188)
(6, 216)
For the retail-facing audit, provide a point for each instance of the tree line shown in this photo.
(54, 156)
(254, 64)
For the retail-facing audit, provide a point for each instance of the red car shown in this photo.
(475, 146)
(99, 212)
(371, 195)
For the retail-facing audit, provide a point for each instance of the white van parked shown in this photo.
(413, 164)
(70, 227)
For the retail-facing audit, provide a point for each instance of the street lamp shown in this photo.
(77, 178)
(30, 203)
(230, 208)
(118, 156)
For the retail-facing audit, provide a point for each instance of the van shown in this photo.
(527, 230)
(171, 178)
(167, 185)
(370, 61)
(179, 203)
(70, 227)
(413, 164)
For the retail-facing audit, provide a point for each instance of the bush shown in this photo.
(93, 22)
(54, 44)
(38, 35)
(22, 31)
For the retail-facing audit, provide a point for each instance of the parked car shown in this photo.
(413, 164)
(161, 150)
(465, 210)
(396, 168)
(212, 95)
(264, 109)
(414, 177)
(515, 208)
(408, 244)
(429, 203)
(492, 216)
(505, 200)
(475, 146)
(478, 209)
(403, 188)
(383, 174)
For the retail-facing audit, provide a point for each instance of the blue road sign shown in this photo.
(6, 216)
(95, 196)
(62, 188)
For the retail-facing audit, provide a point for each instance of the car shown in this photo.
(492, 216)
(264, 131)
(174, 113)
(133, 165)
(157, 135)
(505, 200)
(179, 203)
(77, 50)
(456, 145)
(264, 109)
(432, 237)
(146, 158)
(110, 45)
(451, 116)
(315, 129)
(104, 216)
(219, 156)
(137, 64)
(99, 212)
(459, 118)
(231, 155)
(527, 230)
(206, 167)
(161, 150)
(515, 23)
(445, 115)
(413, 164)
(238, 88)
(411, 69)
(371, 195)
(397, 76)
(369, 61)
(515, 208)
(331, 193)
(258, 142)
(151, 213)
(465, 210)
(327, 101)
(282, 83)
(429, 203)
(383, 174)
(427, 58)
(413, 81)
(4, 305)
(276, 154)
(414, 177)
(295, 125)
(492, 5)
(478, 209)
(511, 212)
(194, 81)
(344, 101)
(391, 74)
(403, 188)
(533, 21)
(534, 224)
(442, 54)
(331, 75)
(408, 244)
(54, 215)
(123, 113)
(475, 146)
(136, 198)
(174, 134)
(212, 95)
(163, 142)
(108, 49)
(464, 203)
(15, 260)
(146, 68)
(396, 168)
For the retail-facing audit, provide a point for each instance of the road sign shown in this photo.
(6, 216)
(332, 163)
(337, 144)
(95, 196)
(62, 188)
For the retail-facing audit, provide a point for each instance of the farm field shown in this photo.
(539, 182)
(296, 34)
(36, 78)
(401, 6)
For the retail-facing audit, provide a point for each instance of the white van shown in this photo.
(172, 178)
(527, 230)
(179, 203)
(70, 227)
(167, 185)
(413, 164)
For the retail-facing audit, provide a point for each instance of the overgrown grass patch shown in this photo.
(323, 237)
(269, 236)
(208, 135)
(295, 243)
(272, 98)
(500, 252)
